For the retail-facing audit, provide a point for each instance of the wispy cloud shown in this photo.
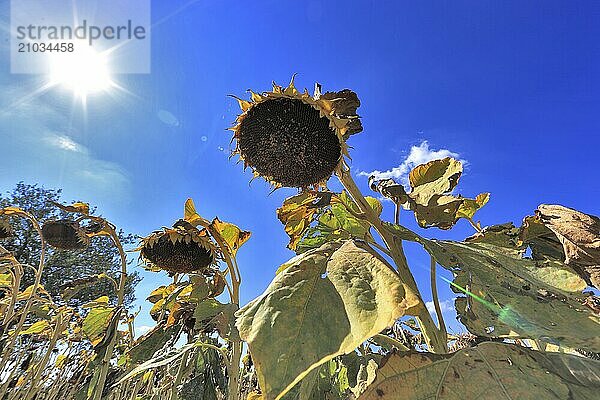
(41, 145)
(418, 155)
(65, 143)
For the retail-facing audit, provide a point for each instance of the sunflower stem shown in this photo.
(435, 341)
(105, 366)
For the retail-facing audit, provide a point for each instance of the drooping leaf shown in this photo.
(430, 197)
(37, 328)
(297, 213)
(507, 295)
(96, 323)
(390, 189)
(542, 241)
(339, 222)
(490, 371)
(79, 207)
(234, 237)
(146, 346)
(579, 235)
(469, 207)
(190, 215)
(502, 235)
(325, 303)
(436, 177)
(510, 296)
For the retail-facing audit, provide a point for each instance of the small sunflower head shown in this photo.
(5, 229)
(65, 234)
(181, 249)
(293, 139)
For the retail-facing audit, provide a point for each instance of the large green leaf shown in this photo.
(510, 296)
(507, 295)
(490, 371)
(325, 303)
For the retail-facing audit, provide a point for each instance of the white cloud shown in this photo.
(418, 155)
(445, 306)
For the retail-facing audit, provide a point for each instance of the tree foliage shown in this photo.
(70, 271)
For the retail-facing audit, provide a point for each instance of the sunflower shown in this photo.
(293, 139)
(65, 234)
(5, 229)
(181, 249)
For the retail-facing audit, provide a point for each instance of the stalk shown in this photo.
(120, 299)
(38, 277)
(435, 341)
(436, 302)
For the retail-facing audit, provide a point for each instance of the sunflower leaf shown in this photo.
(501, 371)
(325, 303)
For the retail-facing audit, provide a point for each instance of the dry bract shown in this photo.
(293, 139)
(65, 234)
(181, 249)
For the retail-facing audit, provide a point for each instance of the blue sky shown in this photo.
(511, 87)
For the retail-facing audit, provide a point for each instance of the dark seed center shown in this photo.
(178, 257)
(289, 141)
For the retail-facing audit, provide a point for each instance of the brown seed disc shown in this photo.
(289, 142)
(180, 257)
(64, 235)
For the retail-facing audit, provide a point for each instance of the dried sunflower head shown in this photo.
(293, 139)
(181, 249)
(5, 229)
(65, 234)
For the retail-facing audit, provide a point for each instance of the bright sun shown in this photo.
(84, 71)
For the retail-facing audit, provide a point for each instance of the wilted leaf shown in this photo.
(339, 222)
(97, 322)
(436, 177)
(542, 241)
(6, 280)
(508, 294)
(430, 197)
(297, 213)
(37, 328)
(493, 371)
(502, 235)
(579, 234)
(190, 214)
(469, 207)
(390, 189)
(234, 237)
(325, 303)
(146, 346)
(79, 207)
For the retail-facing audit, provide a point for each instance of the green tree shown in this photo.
(64, 268)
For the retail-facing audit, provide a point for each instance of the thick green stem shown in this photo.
(433, 338)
